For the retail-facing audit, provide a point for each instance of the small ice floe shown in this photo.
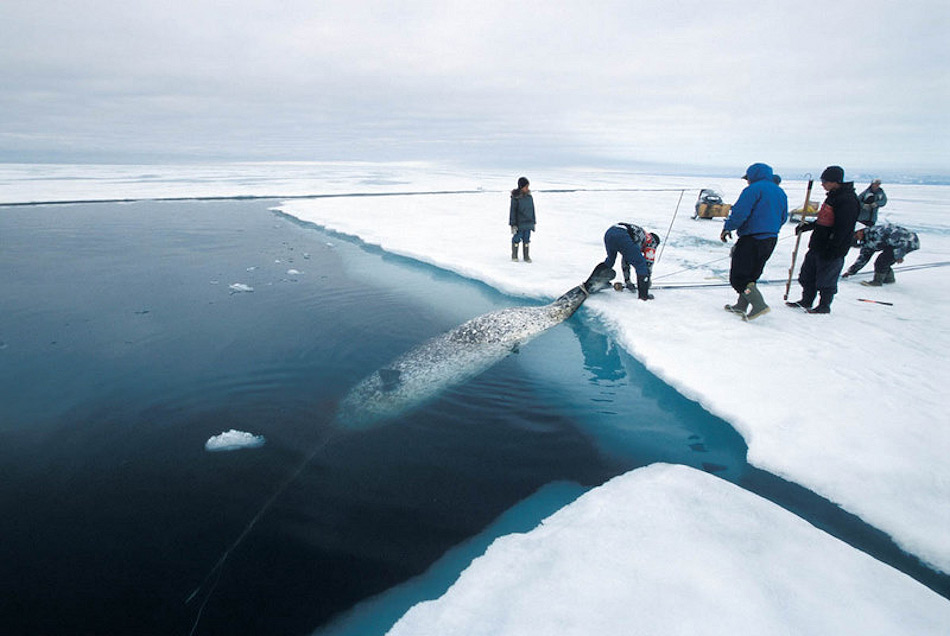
(306, 256)
(237, 288)
(252, 268)
(294, 272)
(233, 440)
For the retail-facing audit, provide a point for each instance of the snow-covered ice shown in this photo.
(233, 440)
(670, 550)
(851, 405)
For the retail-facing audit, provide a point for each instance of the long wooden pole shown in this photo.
(798, 239)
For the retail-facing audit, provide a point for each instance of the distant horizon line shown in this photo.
(908, 176)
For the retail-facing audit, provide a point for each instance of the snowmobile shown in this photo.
(709, 205)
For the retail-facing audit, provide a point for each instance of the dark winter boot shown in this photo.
(824, 305)
(754, 297)
(889, 276)
(527, 257)
(514, 251)
(808, 299)
(741, 305)
(877, 282)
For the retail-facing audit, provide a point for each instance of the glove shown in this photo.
(643, 287)
(725, 235)
(514, 229)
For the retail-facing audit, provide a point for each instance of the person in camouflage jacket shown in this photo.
(872, 199)
(892, 241)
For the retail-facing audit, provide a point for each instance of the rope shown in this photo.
(216, 569)
(670, 229)
(715, 260)
(691, 285)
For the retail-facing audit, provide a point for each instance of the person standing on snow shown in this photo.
(893, 241)
(757, 217)
(638, 249)
(830, 241)
(871, 200)
(521, 218)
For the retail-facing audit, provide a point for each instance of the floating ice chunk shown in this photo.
(237, 288)
(293, 272)
(233, 440)
(251, 268)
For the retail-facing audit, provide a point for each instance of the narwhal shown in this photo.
(423, 373)
(457, 356)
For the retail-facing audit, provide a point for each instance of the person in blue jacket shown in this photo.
(757, 217)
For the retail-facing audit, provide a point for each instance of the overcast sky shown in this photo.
(684, 82)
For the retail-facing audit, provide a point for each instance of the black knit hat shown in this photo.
(833, 174)
(522, 182)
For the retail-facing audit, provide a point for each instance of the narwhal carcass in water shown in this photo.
(457, 356)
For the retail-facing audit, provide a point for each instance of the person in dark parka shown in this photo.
(829, 243)
(521, 218)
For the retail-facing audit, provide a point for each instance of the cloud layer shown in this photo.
(724, 83)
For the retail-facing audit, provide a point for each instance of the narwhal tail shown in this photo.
(599, 279)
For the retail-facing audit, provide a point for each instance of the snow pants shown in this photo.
(748, 260)
(884, 260)
(819, 274)
(618, 241)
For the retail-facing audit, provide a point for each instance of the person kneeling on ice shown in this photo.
(757, 217)
(830, 242)
(892, 241)
(638, 249)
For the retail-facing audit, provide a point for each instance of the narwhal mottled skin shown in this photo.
(457, 356)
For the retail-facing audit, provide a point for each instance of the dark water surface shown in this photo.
(123, 349)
